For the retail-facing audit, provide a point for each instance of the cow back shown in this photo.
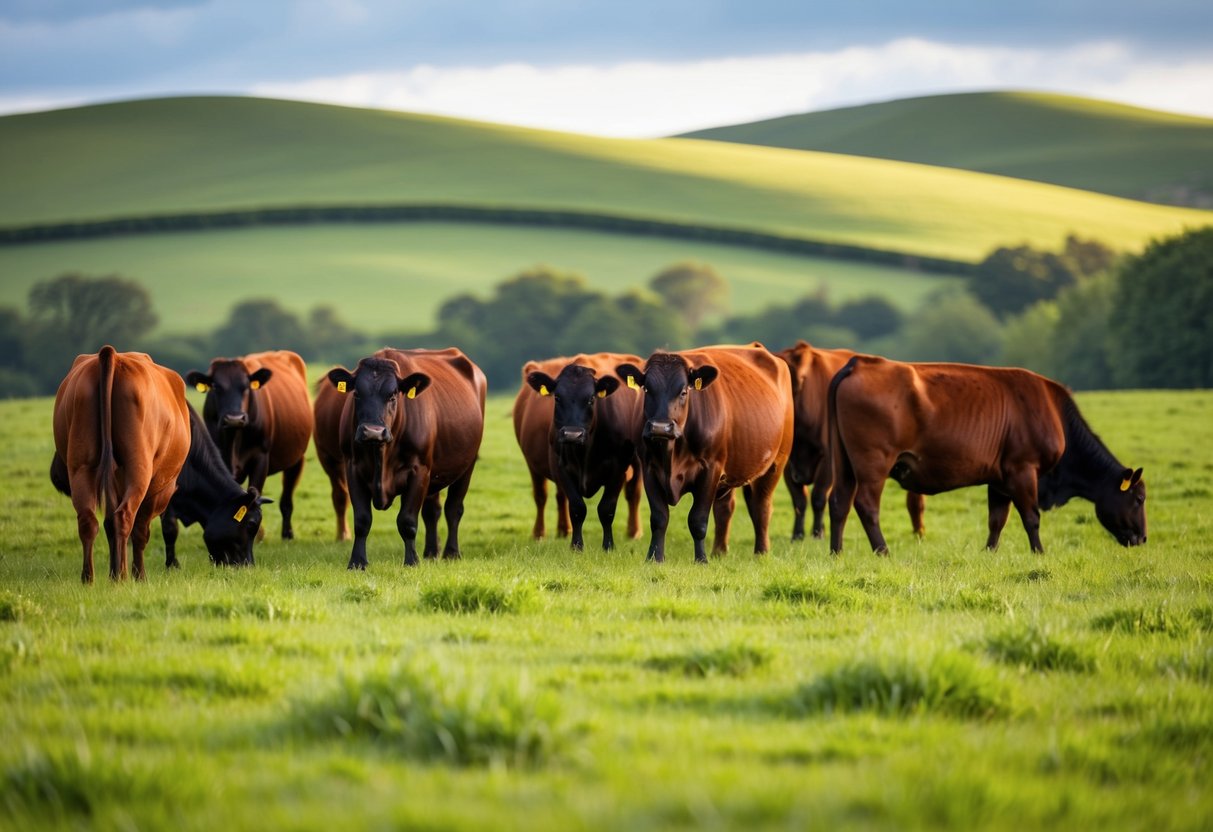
(284, 406)
(811, 370)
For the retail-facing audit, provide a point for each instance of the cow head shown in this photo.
(230, 391)
(668, 382)
(574, 393)
(377, 387)
(232, 527)
(1121, 508)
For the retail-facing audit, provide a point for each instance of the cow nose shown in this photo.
(235, 420)
(661, 429)
(373, 433)
(573, 436)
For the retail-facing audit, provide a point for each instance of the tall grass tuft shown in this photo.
(1031, 647)
(944, 683)
(469, 597)
(16, 607)
(813, 593)
(434, 711)
(733, 660)
(1144, 620)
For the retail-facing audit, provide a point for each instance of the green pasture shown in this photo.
(394, 277)
(1076, 142)
(530, 687)
(209, 154)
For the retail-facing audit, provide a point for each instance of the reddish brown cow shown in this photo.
(937, 427)
(411, 427)
(812, 369)
(577, 427)
(326, 433)
(259, 414)
(715, 419)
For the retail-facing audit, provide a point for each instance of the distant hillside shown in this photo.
(182, 155)
(1076, 142)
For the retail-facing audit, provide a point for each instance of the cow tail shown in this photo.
(840, 463)
(106, 489)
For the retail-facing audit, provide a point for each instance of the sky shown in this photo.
(629, 68)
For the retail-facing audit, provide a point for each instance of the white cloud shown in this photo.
(660, 98)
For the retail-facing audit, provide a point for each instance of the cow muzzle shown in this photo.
(662, 429)
(571, 436)
(235, 420)
(372, 433)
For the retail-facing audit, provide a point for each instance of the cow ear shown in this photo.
(605, 386)
(199, 381)
(631, 375)
(1126, 479)
(1135, 478)
(541, 383)
(702, 377)
(259, 378)
(341, 378)
(413, 385)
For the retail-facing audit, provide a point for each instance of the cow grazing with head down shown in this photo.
(812, 369)
(937, 427)
(411, 426)
(258, 412)
(578, 427)
(715, 419)
(122, 437)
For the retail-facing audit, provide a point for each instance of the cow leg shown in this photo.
(1023, 495)
(577, 514)
(800, 504)
(607, 506)
(563, 526)
(705, 500)
(916, 504)
(120, 526)
(822, 482)
(169, 530)
(758, 499)
(290, 480)
(722, 515)
(360, 500)
(1000, 509)
(86, 521)
(141, 533)
(867, 506)
(659, 520)
(431, 510)
(632, 492)
(411, 502)
(455, 495)
(842, 498)
(539, 492)
(339, 493)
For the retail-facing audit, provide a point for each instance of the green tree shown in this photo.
(1027, 339)
(1010, 280)
(695, 291)
(1081, 344)
(869, 317)
(260, 324)
(1161, 323)
(951, 326)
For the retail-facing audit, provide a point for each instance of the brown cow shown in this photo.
(326, 434)
(259, 414)
(938, 427)
(812, 369)
(575, 429)
(412, 427)
(122, 437)
(716, 419)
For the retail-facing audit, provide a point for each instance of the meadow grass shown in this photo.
(527, 686)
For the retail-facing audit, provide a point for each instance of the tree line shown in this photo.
(1083, 315)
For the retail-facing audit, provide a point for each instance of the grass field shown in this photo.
(527, 687)
(394, 277)
(1077, 142)
(205, 154)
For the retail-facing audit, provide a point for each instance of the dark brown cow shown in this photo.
(121, 440)
(715, 419)
(326, 434)
(575, 428)
(812, 369)
(937, 427)
(259, 414)
(411, 427)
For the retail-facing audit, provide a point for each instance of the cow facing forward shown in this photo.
(715, 419)
(938, 427)
(258, 412)
(577, 426)
(411, 426)
(812, 369)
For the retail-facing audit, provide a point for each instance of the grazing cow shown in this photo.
(715, 419)
(937, 427)
(812, 369)
(207, 494)
(412, 427)
(258, 412)
(575, 429)
(122, 436)
(326, 434)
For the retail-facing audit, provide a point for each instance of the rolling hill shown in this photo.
(183, 155)
(1076, 142)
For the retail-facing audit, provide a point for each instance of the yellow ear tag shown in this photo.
(240, 512)
(412, 392)
(341, 387)
(543, 390)
(202, 387)
(698, 384)
(632, 383)
(602, 394)
(1124, 486)
(254, 385)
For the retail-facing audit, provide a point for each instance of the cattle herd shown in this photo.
(408, 424)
